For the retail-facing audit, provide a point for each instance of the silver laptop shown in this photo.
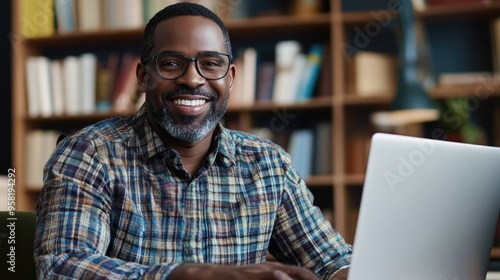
(429, 210)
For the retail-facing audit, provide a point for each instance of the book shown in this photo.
(88, 74)
(295, 80)
(285, 56)
(32, 87)
(311, 73)
(235, 99)
(306, 7)
(89, 15)
(72, 86)
(265, 79)
(249, 76)
(38, 86)
(110, 13)
(65, 15)
(45, 87)
(57, 82)
(130, 13)
(325, 74)
(39, 146)
(419, 5)
(323, 146)
(103, 81)
(300, 149)
(36, 18)
(126, 84)
(372, 73)
(33, 158)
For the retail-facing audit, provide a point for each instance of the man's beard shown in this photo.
(187, 130)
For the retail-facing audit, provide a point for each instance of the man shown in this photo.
(170, 193)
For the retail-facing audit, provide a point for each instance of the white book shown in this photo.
(132, 13)
(44, 86)
(296, 77)
(285, 51)
(110, 15)
(34, 158)
(71, 85)
(40, 145)
(57, 87)
(32, 87)
(88, 74)
(89, 15)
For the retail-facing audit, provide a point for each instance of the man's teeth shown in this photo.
(185, 102)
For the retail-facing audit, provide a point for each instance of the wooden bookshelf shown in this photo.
(338, 107)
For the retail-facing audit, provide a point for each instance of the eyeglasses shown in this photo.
(210, 65)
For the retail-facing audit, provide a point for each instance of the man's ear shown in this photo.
(232, 75)
(140, 73)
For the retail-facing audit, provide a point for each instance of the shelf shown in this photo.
(320, 181)
(459, 11)
(353, 18)
(87, 38)
(73, 118)
(482, 91)
(243, 27)
(355, 179)
(353, 99)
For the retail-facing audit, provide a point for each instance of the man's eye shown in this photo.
(169, 64)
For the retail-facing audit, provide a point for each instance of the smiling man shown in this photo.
(171, 193)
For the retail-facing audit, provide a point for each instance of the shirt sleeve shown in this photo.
(302, 236)
(73, 232)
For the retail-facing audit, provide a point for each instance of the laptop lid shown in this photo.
(428, 211)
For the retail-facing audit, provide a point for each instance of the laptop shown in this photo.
(429, 210)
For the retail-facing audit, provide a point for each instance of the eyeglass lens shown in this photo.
(210, 66)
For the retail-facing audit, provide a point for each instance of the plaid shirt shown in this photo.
(117, 203)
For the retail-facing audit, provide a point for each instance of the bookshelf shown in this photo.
(347, 113)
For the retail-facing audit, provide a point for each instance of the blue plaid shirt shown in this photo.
(117, 203)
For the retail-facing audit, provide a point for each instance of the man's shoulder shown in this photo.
(245, 142)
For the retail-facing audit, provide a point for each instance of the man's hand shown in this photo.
(261, 271)
(341, 275)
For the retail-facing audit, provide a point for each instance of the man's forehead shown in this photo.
(183, 31)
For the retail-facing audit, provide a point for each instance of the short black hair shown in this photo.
(179, 9)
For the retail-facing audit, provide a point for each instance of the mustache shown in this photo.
(188, 91)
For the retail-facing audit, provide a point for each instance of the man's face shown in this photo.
(189, 107)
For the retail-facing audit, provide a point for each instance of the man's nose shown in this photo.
(191, 78)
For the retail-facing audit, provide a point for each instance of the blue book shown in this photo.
(300, 149)
(65, 15)
(311, 73)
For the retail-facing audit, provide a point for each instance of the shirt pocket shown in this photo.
(238, 234)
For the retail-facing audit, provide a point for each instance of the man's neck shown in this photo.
(193, 155)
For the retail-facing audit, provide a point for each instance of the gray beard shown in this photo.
(186, 131)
